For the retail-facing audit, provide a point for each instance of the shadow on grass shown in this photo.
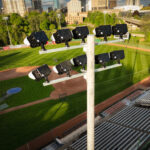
(9, 55)
(11, 59)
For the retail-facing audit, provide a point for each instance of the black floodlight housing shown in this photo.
(102, 59)
(64, 67)
(103, 31)
(79, 61)
(120, 29)
(117, 55)
(80, 33)
(40, 73)
(38, 39)
(62, 36)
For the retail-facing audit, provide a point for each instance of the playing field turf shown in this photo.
(20, 126)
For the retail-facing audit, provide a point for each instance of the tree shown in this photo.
(16, 28)
(146, 27)
(34, 21)
(44, 25)
(52, 27)
(19, 27)
(4, 40)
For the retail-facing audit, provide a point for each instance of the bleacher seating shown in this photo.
(127, 129)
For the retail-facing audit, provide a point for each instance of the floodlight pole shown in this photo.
(90, 51)
(104, 17)
(59, 15)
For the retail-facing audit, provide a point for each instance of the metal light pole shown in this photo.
(59, 16)
(90, 51)
(6, 18)
(104, 17)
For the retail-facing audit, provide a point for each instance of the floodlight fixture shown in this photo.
(40, 73)
(80, 33)
(117, 55)
(64, 67)
(103, 31)
(120, 29)
(102, 59)
(62, 36)
(37, 39)
(79, 61)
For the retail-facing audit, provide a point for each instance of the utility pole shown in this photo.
(90, 51)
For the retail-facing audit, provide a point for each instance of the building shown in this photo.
(37, 5)
(74, 7)
(49, 5)
(112, 4)
(28, 5)
(133, 2)
(99, 4)
(74, 12)
(14, 6)
(1, 6)
(131, 8)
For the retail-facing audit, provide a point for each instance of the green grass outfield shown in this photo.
(21, 126)
(29, 91)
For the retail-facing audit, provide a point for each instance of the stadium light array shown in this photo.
(64, 67)
(62, 36)
(40, 73)
(80, 33)
(79, 61)
(117, 55)
(36, 39)
(103, 31)
(102, 59)
(120, 29)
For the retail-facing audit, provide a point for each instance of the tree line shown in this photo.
(20, 27)
(98, 18)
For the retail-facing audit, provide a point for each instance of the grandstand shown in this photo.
(144, 100)
(127, 129)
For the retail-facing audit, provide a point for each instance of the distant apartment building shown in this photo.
(99, 4)
(49, 5)
(133, 2)
(1, 6)
(14, 6)
(37, 5)
(74, 12)
(28, 5)
(74, 7)
(112, 4)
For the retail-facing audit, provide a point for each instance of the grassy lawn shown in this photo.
(30, 57)
(20, 126)
(29, 91)
(135, 41)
